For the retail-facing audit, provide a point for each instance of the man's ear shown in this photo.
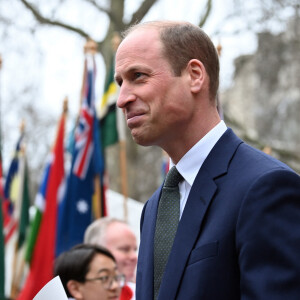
(197, 75)
(74, 289)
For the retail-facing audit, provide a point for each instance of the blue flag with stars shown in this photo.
(75, 211)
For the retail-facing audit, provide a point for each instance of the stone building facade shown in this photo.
(263, 105)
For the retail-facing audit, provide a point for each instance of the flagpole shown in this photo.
(19, 276)
(123, 165)
(14, 288)
(123, 160)
(16, 274)
(90, 48)
(0, 110)
(116, 40)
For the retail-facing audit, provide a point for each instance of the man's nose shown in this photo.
(115, 285)
(133, 255)
(125, 96)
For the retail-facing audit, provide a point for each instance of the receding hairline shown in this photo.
(159, 25)
(96, 231)
(176, 38)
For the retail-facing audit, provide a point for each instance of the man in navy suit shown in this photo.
(239, 231)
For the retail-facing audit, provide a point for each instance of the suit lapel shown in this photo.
(187, 233)
(145, 262)
(199, 199)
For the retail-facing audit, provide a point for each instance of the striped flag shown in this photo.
(75, 211)
(112, 124)
(39, 206)
(84, 146)
(20, 197)
(24, 196)
(108, 110)
(41, 243)
(11, 191)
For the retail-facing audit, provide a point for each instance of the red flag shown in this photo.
(41, 267)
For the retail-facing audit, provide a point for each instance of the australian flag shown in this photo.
(75, 211)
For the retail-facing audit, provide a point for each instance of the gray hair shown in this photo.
(96, 231)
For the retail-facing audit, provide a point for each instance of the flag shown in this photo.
(24, 196)
(11, 190)
(112, 125)
(75, 211)
(43, 233)
(40, 201)
(2, 260)
(20, 197)
(108, 110)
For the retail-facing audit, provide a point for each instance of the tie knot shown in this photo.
(173, 178)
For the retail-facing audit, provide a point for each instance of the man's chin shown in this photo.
(141, 139)
(130, 275)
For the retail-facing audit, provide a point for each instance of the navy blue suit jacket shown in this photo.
(239, 235)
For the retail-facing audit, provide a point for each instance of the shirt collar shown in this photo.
(191, 162)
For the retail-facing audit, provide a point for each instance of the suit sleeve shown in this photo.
(268, 238)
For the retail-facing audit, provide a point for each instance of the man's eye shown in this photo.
(119, 82)
(104, 279)
(124, 249)
(138, 75)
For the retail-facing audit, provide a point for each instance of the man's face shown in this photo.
(155, 102)
(121, 241)
(100, 267)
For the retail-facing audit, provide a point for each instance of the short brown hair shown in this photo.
(183, 41)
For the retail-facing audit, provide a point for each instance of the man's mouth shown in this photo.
(134, 118)
(133, 114)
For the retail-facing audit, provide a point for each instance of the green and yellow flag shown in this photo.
(107, 112)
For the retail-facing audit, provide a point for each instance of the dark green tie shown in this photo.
(166, 224)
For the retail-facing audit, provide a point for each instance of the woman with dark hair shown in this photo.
(89, 272)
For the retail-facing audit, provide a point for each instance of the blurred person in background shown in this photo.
(89, 272)
(117, 236)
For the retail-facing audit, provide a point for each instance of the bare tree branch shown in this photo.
(142, 11)
(102, 9)
(99, 7)
(112, 13)
(43, 20)
(5, 21)
(206, 13)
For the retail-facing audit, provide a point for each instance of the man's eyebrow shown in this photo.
(107, 270)
(132, 69)
(136, 68)
(139, 68)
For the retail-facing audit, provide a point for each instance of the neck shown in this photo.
(177, 148)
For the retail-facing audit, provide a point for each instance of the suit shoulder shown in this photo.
(259, 160)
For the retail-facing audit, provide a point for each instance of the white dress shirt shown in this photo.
(191, 162)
